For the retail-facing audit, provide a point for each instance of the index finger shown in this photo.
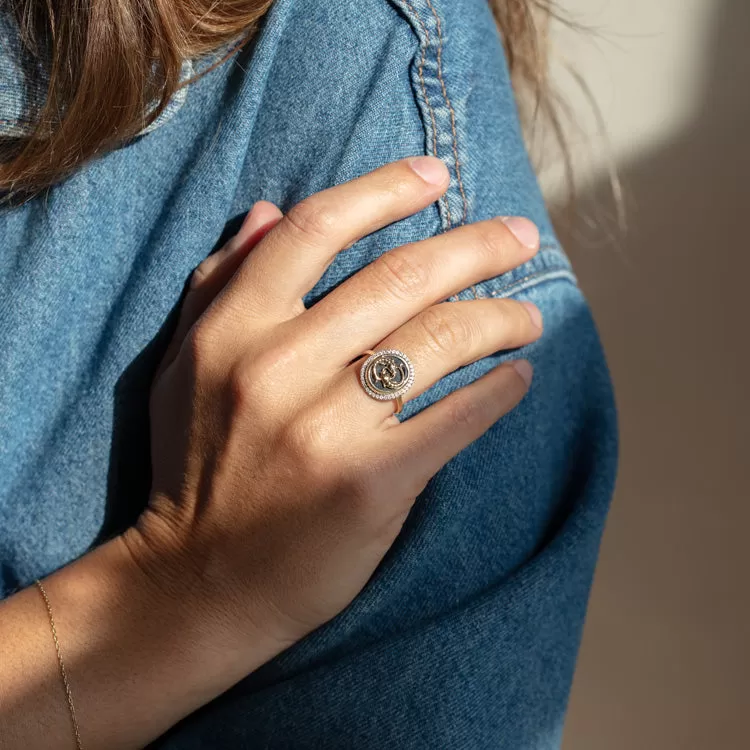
(292, 257)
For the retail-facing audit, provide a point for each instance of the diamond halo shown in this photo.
(387, 374)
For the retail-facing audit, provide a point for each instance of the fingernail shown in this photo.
(524, 229)
(430, 169)
(534, 313)
(524, 369)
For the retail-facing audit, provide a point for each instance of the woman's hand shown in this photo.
(278, 483)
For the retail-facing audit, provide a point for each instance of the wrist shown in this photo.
(184, 580)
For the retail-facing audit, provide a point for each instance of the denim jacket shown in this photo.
(466, 635)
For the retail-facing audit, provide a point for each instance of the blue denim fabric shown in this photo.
(466, 635)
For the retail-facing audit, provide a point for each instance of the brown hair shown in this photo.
(109, 60)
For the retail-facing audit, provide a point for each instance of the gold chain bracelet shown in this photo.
(63, 673)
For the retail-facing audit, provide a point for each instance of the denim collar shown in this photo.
(23, 89)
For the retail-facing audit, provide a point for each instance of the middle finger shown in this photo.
(398, 285)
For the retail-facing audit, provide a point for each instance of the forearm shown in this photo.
(138, 659)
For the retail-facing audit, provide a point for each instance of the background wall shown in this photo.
(665, 660)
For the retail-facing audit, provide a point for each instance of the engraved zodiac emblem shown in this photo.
(387, 374)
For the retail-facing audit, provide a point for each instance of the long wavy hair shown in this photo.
(108, 61)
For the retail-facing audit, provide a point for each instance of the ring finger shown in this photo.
(439, 340)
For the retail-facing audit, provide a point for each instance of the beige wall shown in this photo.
(665, 661)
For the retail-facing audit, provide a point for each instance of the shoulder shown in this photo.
(348, 86)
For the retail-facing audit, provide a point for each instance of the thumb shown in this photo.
(210, 277)
(217, 269)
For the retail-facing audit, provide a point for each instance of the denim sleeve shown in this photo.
(466, 635)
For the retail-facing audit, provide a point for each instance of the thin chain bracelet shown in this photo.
(63, 673)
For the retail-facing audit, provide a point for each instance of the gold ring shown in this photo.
(387, 375)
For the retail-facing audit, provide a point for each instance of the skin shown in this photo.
(278, 483)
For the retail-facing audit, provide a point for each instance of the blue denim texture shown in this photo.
(466, 636)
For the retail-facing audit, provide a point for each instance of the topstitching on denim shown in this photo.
(439, 120)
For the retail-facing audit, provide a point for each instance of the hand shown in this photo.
(278, 483)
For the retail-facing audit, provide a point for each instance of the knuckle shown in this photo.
(358, 488)
(363, 491)
(448, 331)
(244, 385)
(401, 275)
(492, 238)
(309, 439)
(515, 321)
(199, 275)
(401, 183)
(210, 265)
(507, 323)
(199, 344)
(464, 411)
(518, 322)
(254, 375)
(313, 218)
(274, 359)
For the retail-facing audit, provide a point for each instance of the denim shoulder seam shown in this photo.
(439, 116)
(439, 119)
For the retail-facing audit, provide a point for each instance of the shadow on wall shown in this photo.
(665, 661)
